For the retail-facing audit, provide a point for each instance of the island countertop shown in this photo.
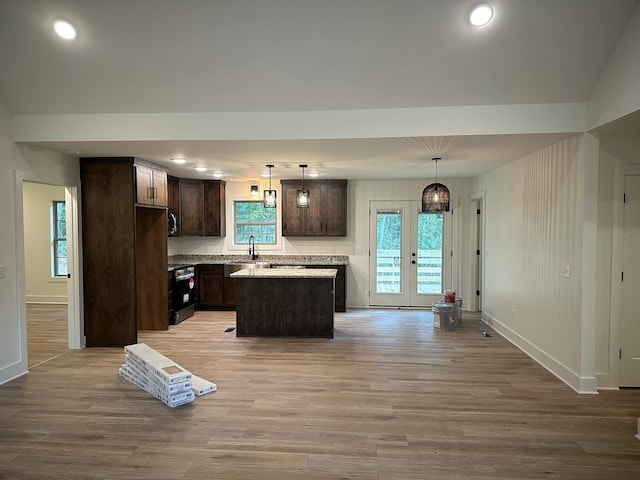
(285, 273)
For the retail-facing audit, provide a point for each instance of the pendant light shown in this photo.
(269, 200)
(302, 196)
(435, 197)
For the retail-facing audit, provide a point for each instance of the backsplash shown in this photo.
(274, 259)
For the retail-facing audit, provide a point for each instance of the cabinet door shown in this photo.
(151, 186)
(159, 188)
(173, 200)
(314, 215)
(335, 208)
(191, 207)
(210, 285)
(144, 185)
(292, 217)
(229, 293)
(214, 209)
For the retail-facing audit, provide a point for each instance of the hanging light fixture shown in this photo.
(269, 200)
(435, 197)
(302, 196)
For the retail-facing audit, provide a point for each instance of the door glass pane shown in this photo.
(429, 271)
(388, 252)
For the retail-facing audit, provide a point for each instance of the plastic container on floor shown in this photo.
(443, 316)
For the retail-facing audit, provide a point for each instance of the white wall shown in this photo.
(616, 93)
(34, 165)
(40, 286)
(536, 226)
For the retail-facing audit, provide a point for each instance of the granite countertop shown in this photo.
(285, 273)
(272, 259)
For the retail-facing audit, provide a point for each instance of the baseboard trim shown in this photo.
(582, 385)
(13, 371)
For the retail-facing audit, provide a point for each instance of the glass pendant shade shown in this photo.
(302, 195)
(302, 198)
(435, 197)
(269, 199)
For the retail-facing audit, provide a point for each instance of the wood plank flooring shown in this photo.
(47, 332)
(387, 398)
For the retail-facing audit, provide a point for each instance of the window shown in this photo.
(251, 218)
(430, 247)
(59, 239)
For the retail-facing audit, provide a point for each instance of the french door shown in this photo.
(406, 255)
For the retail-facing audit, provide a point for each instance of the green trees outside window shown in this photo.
(251, 218)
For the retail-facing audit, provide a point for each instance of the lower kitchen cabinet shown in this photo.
(340, 286)
(215, 291)
(218, 292)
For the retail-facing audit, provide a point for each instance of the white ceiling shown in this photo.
(168, 56)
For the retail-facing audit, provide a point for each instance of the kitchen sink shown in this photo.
(232, 267)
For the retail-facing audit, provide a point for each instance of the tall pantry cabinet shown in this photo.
(124, 243)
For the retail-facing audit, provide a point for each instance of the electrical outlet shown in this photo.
(567, 271)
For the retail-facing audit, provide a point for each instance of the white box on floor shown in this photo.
(162, 367)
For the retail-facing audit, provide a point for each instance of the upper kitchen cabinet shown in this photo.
(173, 205)
(202, 208)
(151, 184)
(326, 214)
(124, 250)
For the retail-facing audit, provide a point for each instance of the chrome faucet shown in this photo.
(252, 248)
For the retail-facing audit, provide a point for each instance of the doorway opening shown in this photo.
(50, 269)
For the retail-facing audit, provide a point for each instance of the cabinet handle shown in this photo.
(155, 192)
(150, 192)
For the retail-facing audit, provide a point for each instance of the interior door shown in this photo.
(630, 324)
(406, 269)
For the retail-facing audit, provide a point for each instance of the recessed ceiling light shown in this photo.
(218, 175)
(480, 15)
(201, 169)
(64, 29)
(313, 174)
(179, 160)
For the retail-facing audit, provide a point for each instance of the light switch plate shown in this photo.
(567, 271)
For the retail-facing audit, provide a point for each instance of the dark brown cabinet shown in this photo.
(173, 202)
(304, 307)
(326, 214)
(340, 285)
(151, 185)
(215, 291)
(218, 292)
(202, 208)
(124, 255)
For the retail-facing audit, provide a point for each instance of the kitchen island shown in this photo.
(284, 302)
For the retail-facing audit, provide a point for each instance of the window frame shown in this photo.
(242, 245)
(56, 239)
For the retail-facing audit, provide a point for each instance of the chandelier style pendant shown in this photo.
(435, 197)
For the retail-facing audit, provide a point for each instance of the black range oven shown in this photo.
(183, 293)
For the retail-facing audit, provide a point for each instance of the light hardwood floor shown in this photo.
(387, 398)
(47, 332)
